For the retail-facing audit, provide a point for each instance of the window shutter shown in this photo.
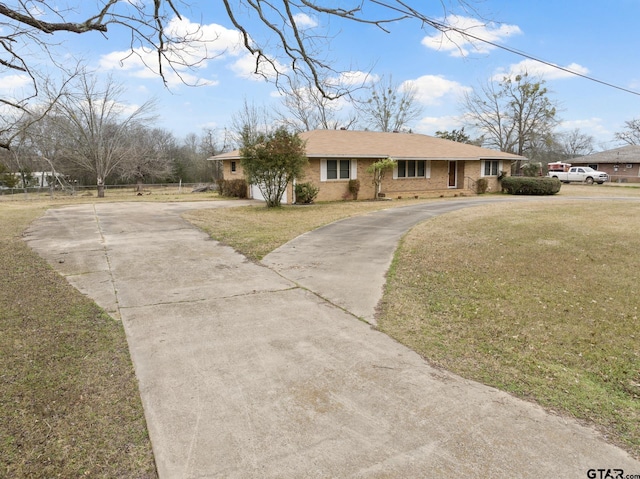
(395, 171)
(354, 169)
(323, 170)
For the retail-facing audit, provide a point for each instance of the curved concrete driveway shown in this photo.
(346, 262)
(244, 373)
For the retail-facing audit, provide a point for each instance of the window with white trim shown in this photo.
(411, 169)
(331, 170)
(491, 168)
(233, 167)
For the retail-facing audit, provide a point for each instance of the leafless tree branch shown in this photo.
(299, 48)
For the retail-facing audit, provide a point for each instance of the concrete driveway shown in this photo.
(250, 370)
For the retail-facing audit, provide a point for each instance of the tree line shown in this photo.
(90, 135)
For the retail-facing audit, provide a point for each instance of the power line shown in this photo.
(544, 62)
(444, 28)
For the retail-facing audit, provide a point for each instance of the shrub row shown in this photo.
(517, 185)
(233, 188)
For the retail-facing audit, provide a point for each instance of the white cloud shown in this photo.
(13, 82)
(459, 44)
(548, 72)
(430, 124)
(205, 42)
(591, 126)
(245, 67)
(354, 78)
(211, 39)
(304, 21)
(431, 89)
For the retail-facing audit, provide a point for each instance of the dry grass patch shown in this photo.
(69, 401)
(540, 300)
(69, 404)
(256, 230)
(151, 193)
(611, 190)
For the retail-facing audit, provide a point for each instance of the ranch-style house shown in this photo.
(424, 165)
(621, 164)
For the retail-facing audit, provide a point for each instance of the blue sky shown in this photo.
(595, 38)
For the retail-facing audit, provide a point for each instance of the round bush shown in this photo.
(306, 193)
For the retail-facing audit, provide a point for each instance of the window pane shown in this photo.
(421, 168)
(332, 169)
(494, 168)
(344, 168)
(411, 168)
(402, 169)
(487, 168)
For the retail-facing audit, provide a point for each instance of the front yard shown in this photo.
(542, 304)
(535, 299)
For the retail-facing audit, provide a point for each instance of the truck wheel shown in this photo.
(589, 181)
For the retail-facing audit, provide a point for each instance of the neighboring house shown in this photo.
(425, 165)
(621, 164)
(40, 179)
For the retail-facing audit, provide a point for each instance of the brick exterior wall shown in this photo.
(621, 174)
(468, 172)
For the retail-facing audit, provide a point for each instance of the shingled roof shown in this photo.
(375, 144)
(624, 154)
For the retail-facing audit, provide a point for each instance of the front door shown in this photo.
(453, 174)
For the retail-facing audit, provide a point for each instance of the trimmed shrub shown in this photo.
(518, 185)
(306, 193)
(232, 188)
(354, 188)
(481, 186)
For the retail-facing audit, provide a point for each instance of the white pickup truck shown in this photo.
(583, 174)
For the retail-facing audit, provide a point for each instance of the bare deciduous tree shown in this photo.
(149, 157)
(513, 114)
(631, 132)
(389, 106)
(275, 32)
(575, 143)
(249, 123)
(213, 142)
(306, 108)
(97, 127)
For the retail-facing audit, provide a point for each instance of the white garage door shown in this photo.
(256, 194)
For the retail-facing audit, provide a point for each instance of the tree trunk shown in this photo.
(100, 188)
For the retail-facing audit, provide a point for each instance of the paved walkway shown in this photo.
(254, 371)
